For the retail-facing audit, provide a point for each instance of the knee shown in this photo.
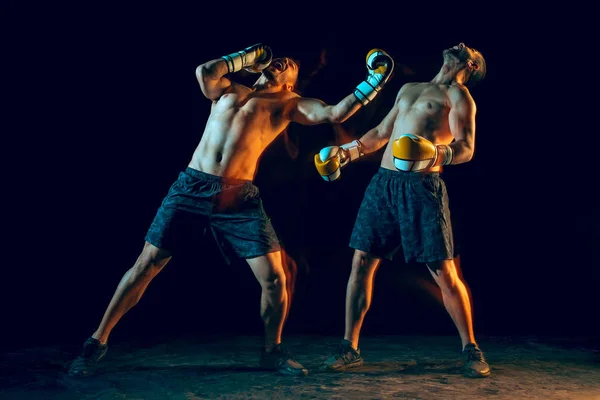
(273, 282)
(149, 263)
(362, 266)
(447, 279)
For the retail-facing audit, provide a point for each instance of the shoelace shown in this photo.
(90, 349)
(283, 354)
(345, 352)
(475, 355)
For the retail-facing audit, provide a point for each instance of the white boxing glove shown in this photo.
(380, 66)
(253, 59)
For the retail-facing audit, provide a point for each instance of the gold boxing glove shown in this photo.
(330, 160)
(414, 153)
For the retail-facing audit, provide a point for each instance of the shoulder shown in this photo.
(458, 92)
(408, 86)
(238, 88)
(290, 98)
(287, 95)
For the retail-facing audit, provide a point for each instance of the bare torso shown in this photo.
(423, 110)
(241, 125)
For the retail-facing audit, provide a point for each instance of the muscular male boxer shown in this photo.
(216, 190)
(431, 124)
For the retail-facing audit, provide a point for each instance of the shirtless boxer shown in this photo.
(431, 125)
(216, 190)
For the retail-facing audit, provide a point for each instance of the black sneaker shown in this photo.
(475, 364)
(281, 360)
(344, 358)
(85, 364)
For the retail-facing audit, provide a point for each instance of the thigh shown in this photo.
(425, 223)
(376, 229)
(247, 230)
(181, 218)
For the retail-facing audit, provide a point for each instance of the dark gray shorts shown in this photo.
(408, 211)
(231, 209)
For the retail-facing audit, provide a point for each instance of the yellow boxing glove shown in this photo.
(414, 153)
(330, 160)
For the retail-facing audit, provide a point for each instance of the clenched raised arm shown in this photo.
(211, 75)
(212, 80)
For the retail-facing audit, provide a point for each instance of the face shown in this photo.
(460, 54)
(282, 70)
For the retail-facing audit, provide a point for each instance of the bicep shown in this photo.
(307, 111)
(462, 119)
(211, 83)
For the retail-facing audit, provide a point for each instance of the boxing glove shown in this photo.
(414, 153)
(253, 59)
(330, 160)
(380, 66)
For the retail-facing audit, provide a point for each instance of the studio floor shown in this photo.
(396, 367)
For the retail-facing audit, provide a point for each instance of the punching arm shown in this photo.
(380, 67)
(309, 111)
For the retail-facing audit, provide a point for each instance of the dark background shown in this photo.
(103, 110)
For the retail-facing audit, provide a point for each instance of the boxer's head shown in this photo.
(282, 71)
(468, 58)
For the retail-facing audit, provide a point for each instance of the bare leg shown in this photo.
(359, 293)
(131, 288)
(456, 298)
(270, 273)
(291, 272)
(129, 291)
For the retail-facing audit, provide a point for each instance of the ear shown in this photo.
(288, 87)
(473, 65)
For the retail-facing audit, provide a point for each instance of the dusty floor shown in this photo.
(396, 367)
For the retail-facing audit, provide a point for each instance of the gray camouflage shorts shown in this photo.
(407, 211)
(231, 209)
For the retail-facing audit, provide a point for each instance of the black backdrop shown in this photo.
(104, 111)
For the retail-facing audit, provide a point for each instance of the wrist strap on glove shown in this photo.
(445, 153)
(354, 149)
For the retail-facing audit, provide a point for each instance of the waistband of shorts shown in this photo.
(396, 174)
(215, 178)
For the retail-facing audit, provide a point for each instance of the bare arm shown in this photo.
(462, 124)
(212, 80)
(377, 137)
(309, 111)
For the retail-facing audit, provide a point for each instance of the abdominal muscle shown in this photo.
(417, 123)
(232, 144)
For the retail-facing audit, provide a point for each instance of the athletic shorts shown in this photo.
(405, 211)
(232, 209)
